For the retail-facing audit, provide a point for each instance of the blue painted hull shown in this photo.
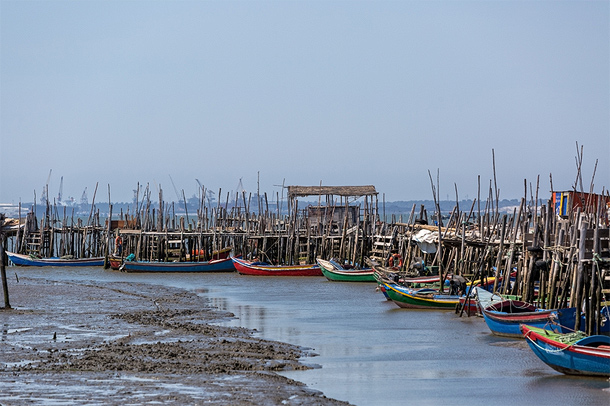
(507, 324)
(25, 260)
(586, 356)
(604, 329)
(222, 265)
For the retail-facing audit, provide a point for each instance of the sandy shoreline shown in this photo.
(126, 343)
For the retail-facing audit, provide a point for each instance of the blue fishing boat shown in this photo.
(485, 298)
(504, 317)
(216, 265)
(572, 353)
(28, 260)
(604, 328)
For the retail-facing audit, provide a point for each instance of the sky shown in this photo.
(383, 93)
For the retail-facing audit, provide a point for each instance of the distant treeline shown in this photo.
(396, 208)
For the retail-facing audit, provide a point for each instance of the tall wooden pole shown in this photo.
(7, 303)
(580, 270)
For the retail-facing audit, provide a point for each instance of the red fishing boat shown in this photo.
(264, 269)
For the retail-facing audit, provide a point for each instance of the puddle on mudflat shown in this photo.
(20, 363)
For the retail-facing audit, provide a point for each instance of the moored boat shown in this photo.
(485, 298)
(335, 272)
(425, 298)
(216, 265)
(263, 269)
(412, 284)
(396, 276)
(27, 260)
(571, 353)
(115, 262)
(468, 304)
(198, 255)
(477, 299)
(603, 328)
(504, 317)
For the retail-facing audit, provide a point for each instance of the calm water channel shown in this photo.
(369, 351)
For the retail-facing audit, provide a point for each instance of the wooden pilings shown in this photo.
(534, 254)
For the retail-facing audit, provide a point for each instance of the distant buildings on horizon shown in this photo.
(11, 210)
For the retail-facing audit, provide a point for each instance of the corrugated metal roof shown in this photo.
(294, 191)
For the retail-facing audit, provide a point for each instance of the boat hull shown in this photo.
(249, 268)
(420, 299)
(349, 275)
(25, 260)
(505, 324)
(333, 273)
(469, 305)
(115, 263)
(588, 356)
(222, 265)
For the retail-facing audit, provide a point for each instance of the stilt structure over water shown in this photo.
(555, 254)
(283, 236)
(153, 231)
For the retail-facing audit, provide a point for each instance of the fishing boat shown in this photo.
(504, 317)
(28, 260)
(115, 262)
(571, 353)
(215, 265)
(477, 299)
(486, 298)
(397, 276)
(603, 328)
(413, 283)
(217, 254)
(425, 298)
(382, 273)
(264, 269)
(335, 272)
(468, 304)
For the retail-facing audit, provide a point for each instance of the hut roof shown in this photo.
(295, 191)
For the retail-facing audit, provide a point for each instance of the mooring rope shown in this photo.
(563, 339)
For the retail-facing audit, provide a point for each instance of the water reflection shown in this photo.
(220, 303)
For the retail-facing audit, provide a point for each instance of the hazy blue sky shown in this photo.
(338, 92)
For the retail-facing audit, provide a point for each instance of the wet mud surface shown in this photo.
(123, 343)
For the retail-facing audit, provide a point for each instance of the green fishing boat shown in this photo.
(419, 298)
(335, 272)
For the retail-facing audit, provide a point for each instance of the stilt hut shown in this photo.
(568, 202)
(335, 226)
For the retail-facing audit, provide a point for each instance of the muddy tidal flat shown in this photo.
(128, 343)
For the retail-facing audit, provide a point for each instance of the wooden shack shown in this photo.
(567, 202)
(330, 213)
(317, 216)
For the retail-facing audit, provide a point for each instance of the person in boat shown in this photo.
(457, 285)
